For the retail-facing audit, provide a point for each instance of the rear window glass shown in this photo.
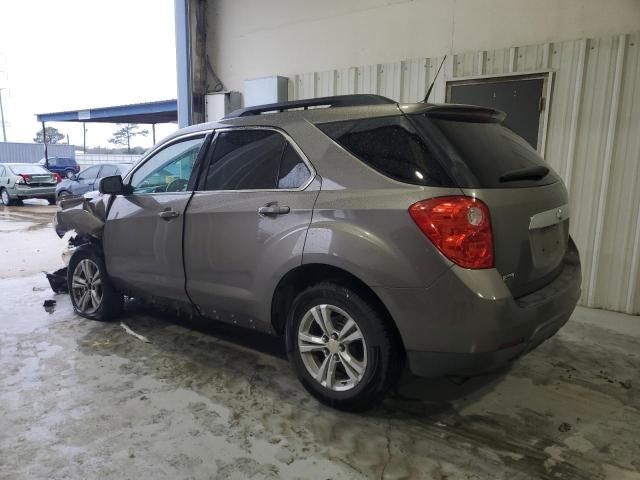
(478, 154)
(28, 169)
(392, 146)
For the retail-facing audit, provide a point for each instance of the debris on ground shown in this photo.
(49, 306)
(142, 338)
(58, 280)
(564, 427)
(626, 384)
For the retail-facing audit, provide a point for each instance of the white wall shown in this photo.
(254, 38)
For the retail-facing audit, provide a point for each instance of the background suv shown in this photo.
(367, 234)
(64, 166)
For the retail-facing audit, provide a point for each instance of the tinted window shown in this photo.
(479, 153)
(392, 146)
(245, 160)
(90, 173)
(109, 170)
(169, 169)
(293, 171)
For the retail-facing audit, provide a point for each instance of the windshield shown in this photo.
(29, 170)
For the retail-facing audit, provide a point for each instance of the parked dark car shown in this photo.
(87, 180)
(22, 181)
(367, 234)
(64, 166)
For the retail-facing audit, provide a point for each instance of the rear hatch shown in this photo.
(528, 202)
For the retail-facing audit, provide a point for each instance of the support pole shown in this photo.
(153, 132)
(84, 137)
(44, 140)
(4, 132)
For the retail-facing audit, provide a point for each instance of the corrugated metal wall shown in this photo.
(11, 152)
(593, 138)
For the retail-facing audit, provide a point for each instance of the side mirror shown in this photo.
(113, 186)
(72, 176)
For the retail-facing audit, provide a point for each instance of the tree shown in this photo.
(53, 135)
(125, 133)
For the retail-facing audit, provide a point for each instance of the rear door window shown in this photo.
(392, 146)
(254, 159)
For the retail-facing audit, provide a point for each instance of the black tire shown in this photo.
(6, 200)
(111, 301)
(51, 200)
(383, 350)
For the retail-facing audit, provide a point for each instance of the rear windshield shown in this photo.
(28, 169)
(423, 150)
(480, 153)
(391, 145)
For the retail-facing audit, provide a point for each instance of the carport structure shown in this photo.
(149, 113)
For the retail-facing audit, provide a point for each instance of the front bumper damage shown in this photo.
(82, 215)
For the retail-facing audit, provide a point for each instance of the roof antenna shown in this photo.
(426, 97)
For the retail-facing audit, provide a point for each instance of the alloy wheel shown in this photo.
(332, 347)
(5, 197)
(86, 286)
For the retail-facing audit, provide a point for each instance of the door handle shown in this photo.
(168, 214)
(273, 210)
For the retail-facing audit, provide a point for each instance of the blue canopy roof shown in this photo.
(164, 111)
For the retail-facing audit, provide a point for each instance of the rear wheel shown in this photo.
(6, 199)
(51, 200)
(341, 347)
(92, 293)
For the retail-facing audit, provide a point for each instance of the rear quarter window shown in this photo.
(392, 146)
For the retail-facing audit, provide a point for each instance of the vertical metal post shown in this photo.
(4, 132)
(44, 140)
(183, 62)
(84, 137)
(153, 132)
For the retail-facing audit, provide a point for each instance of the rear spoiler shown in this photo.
(463, 113)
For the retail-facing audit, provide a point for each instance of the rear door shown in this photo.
(247, 223)
(143, 234)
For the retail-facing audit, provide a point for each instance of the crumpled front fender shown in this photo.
(85, 216)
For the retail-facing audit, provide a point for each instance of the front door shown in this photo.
(247, 223)
(85, 180)
(143, 233)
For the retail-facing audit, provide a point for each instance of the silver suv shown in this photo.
(367, 234)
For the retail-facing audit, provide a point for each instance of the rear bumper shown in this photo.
(35, 192)
(467, 322)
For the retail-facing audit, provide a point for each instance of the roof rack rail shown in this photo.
(335, 101)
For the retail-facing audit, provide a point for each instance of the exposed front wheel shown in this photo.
(92, 293)
(341, 347)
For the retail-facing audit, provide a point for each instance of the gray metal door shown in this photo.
(522, 99)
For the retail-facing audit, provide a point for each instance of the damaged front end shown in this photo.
(82, 221)
(85, 216)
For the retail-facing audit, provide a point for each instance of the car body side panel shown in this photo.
(370, 234)
(234, 257)
(143, 252)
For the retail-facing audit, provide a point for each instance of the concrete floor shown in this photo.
(82, 399)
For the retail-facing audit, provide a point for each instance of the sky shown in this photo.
(78, 54)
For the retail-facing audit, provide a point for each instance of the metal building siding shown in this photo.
(593, 138)
(11, 152)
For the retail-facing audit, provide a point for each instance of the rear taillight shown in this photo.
(459, 226)
(23, 178)
(57, 177)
